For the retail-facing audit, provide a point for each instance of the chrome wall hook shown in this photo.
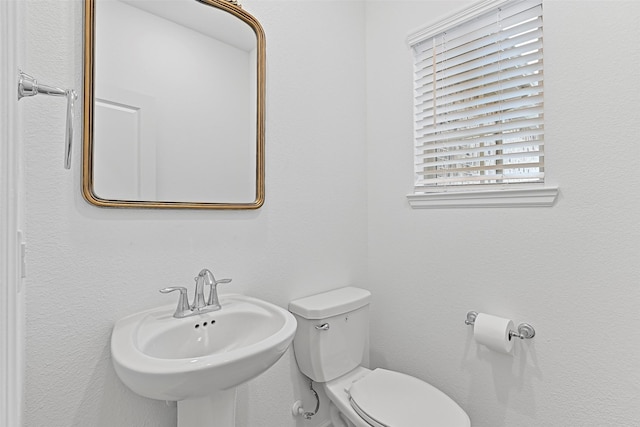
(29, 86)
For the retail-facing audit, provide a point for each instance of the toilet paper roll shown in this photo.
(493, 332)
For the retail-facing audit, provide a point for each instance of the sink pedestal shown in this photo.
(216, 410)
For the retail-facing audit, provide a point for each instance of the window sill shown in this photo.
(510, 198)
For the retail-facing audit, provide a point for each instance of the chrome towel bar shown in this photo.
(29, 86)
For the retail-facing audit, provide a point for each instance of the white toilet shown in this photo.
(332, 341)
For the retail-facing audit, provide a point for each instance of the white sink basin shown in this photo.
(161, 357)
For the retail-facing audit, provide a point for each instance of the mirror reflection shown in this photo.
(177, 116)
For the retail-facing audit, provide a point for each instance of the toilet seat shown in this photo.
(390, 399)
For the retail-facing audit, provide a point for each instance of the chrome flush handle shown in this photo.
(323, 327)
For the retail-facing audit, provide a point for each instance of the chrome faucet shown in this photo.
(198, 299)
(199, 306)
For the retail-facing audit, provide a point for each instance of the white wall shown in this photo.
(89, 266)
(571, 270)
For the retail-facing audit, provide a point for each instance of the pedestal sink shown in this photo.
(199, 361)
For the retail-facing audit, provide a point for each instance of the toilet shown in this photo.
(331, 344)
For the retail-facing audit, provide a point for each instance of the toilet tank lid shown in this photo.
(330, 303)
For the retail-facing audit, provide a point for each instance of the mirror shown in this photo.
(173, 105)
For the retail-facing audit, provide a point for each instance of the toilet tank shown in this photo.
(332, 337)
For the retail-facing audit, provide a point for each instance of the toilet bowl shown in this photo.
(338, 419)
(330, 346)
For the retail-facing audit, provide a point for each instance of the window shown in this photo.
(478, 117)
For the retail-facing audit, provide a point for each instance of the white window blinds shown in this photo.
(478, 102)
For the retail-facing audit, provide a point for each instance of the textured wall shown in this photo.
(88, 267)
(570, 270)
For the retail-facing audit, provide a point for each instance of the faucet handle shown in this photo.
(183, 309)
(213, 293)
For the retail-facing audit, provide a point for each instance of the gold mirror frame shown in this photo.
(229, 6)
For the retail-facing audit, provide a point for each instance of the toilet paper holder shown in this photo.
(525, 330)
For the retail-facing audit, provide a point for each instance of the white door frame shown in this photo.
(11, 304)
